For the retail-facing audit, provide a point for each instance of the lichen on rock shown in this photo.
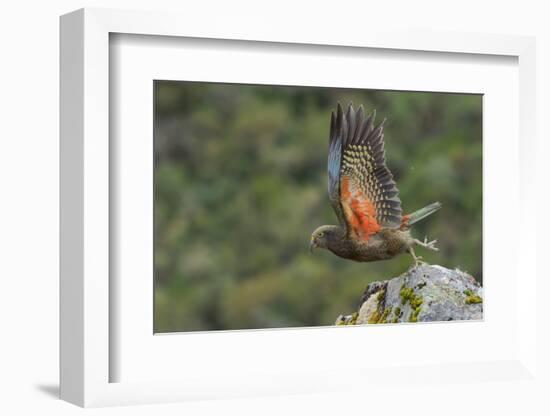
(425, 293)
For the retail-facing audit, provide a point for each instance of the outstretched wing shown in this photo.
(361, 187)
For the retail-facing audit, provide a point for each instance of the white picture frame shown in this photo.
(87, 301)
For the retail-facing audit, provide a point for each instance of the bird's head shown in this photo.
(324, 236)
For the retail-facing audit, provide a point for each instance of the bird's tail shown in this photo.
(421, 214)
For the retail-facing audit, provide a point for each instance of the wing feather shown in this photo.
(337, 129)
(361, 187)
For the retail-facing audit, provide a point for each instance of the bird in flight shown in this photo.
(364, 195)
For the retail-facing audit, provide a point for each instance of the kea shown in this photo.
(364, 195)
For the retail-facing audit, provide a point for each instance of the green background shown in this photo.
(241, 182)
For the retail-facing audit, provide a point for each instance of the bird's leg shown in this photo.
(417, 259)
(430, 245)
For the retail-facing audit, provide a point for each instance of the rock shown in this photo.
(425, 293)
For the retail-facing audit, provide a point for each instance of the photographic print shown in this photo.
(290, 206)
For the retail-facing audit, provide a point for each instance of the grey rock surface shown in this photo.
(425, 293)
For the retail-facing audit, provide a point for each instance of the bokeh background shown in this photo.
(240, 184)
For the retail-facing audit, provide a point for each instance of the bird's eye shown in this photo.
(321, 235)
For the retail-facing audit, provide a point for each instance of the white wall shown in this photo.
(29, 184)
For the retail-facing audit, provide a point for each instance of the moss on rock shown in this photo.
(473, 299)
(423, 293)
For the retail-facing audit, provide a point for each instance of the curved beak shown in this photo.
(312, 245)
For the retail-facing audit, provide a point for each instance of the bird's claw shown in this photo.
(418, 261)
(430, 245)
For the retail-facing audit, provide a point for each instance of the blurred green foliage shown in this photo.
(240, 184)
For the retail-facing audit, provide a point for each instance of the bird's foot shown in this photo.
(417, 259)
(430, 245)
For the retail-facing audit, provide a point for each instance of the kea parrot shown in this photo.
(364, 195)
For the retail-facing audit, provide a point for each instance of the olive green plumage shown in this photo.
(384, 245)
